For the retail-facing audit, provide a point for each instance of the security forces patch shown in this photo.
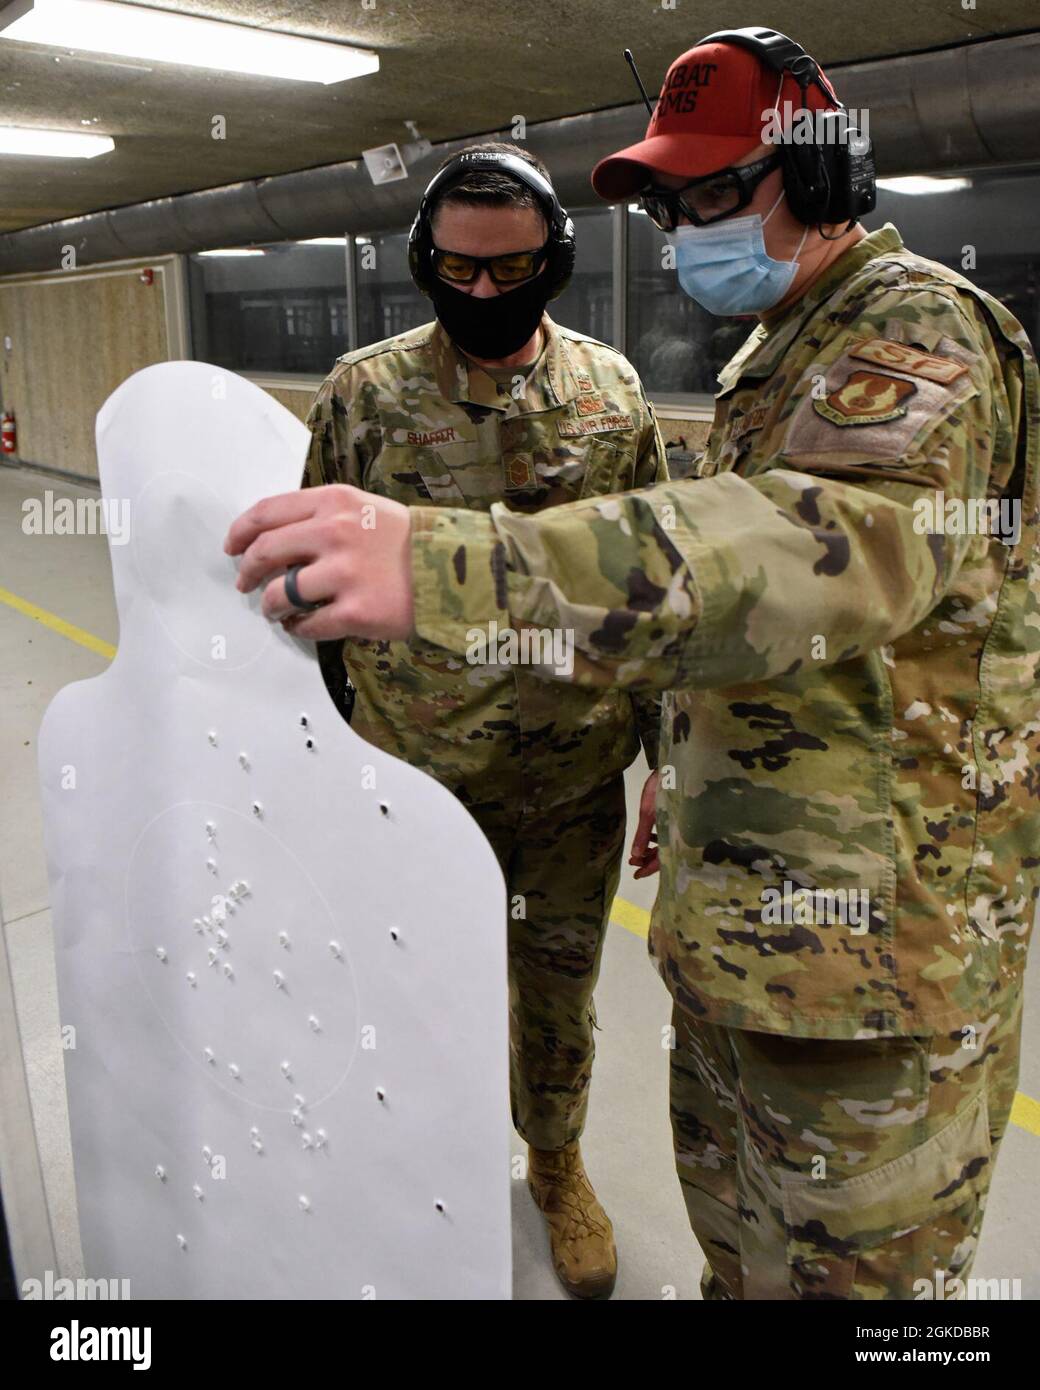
(908, 359)
(866, 398)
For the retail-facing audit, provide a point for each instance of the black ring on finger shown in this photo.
(292, 592)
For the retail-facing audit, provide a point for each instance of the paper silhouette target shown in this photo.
(280, 952)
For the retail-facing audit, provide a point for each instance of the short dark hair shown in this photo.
(489, 187)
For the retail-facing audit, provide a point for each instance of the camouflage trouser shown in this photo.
(832, 1169)
(563, 864)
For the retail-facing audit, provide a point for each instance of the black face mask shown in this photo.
(495, 326)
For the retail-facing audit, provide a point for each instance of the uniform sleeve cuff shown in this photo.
(458, 575)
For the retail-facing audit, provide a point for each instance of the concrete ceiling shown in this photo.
(457, 67)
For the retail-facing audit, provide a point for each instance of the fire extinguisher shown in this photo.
(8, 434)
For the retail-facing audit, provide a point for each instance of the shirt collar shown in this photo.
(460, 380)
(760, 355)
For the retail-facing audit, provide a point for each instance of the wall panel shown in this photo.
(75, 336)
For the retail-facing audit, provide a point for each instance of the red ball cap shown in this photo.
(713, 109)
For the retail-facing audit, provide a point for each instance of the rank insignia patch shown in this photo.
(867, 398)
(520, 471)
(590, 405)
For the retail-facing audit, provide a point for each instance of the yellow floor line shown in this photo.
(632, 918)
(58, 625)
(1025, 1113)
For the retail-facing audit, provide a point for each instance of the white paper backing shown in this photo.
(363, 970)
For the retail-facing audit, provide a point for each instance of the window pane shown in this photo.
(388, 302)
(677, 347)
(982, 230)
(282, 311)
(586, 303)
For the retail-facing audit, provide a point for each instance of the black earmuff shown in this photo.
(560, 261)
(831, 178)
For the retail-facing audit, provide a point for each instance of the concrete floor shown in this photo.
(627, 1144)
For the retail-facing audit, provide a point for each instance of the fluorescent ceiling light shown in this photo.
(234, 251)
(324, 241)
(164, 36)
(62, 144)
(922, 183)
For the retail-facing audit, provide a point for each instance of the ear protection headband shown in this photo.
(830, 179)
(560, 260)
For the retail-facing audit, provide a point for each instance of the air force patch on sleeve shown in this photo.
(866, 398)
(905, 358)
(859, 414)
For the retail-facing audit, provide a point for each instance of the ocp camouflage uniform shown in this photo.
(538, 765)
(853, 706)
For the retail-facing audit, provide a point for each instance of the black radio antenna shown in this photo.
(635, 73)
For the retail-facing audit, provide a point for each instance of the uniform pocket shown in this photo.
(413, 476)
(878, 1234)
(607, 469)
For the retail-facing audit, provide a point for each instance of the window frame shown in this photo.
(684, 405)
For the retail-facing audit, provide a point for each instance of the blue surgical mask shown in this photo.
(725, 266)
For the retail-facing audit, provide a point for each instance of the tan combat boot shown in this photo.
(580, 1234)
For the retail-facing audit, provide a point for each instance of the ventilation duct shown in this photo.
(958, 108)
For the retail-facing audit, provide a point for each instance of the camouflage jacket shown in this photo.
(411, 418)
(852, 668)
